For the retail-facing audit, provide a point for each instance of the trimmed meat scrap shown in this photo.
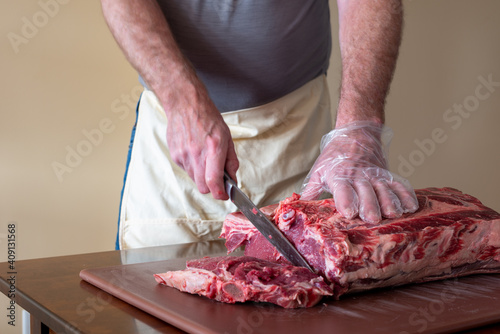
(239, 279)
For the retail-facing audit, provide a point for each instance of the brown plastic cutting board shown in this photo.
(435, 307)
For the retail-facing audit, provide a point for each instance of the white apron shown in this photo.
(276, 144)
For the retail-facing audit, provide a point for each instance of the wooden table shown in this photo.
(56, 298)
(52, 292)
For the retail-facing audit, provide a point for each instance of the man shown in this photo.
(240, 86)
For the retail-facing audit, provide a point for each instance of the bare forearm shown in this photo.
(145, 38)
(198, 139)
(370, 35)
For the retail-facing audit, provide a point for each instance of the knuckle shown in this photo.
(212, 183)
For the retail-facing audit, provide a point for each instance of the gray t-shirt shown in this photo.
(251, 52)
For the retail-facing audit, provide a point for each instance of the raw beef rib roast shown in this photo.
(452, 234)
(238, 279)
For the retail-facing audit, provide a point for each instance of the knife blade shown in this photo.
(268, 229)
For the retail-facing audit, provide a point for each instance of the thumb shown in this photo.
(232, 163)
(312, 187)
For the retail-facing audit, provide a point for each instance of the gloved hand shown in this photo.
(352, 167)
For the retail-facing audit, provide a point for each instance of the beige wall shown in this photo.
(67, 77)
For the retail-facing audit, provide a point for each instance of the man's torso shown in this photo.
(251, 52)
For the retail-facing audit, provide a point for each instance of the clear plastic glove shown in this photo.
(352, 167)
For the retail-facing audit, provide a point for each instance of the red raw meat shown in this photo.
(452, 234)
(238, 279)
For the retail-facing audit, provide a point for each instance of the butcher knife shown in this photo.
(269, 230)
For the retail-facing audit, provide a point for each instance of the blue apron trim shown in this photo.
(132, 136)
